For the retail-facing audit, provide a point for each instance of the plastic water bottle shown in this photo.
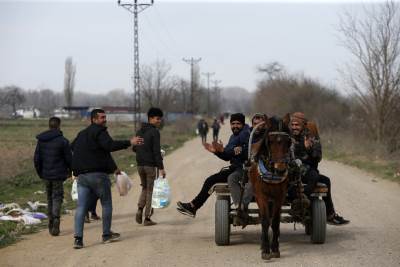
(161, 194)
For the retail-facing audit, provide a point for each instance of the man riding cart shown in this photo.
(307, 148)
(235, 152)
(308, 209)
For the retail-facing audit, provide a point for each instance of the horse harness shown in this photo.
(266, 169)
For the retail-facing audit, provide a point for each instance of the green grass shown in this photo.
(386, 169)
(10, 232)
(18, 179)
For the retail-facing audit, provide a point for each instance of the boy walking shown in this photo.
(148, 158)
(52, 162)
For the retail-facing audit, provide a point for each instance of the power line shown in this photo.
(160, 38)
(164, 25)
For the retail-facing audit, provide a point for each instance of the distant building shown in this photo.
(27, 113)
(120, 113)
(78, 112)
(61, 113)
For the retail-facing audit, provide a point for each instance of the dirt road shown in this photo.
(372, 238)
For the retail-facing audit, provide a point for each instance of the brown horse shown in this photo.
(269, 176)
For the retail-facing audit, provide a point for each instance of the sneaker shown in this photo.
(148, 222)
(186, 209)
(139, 216)
(95, 217)
(336, 219)
(78, 243)
(55, 231)
(111, 237)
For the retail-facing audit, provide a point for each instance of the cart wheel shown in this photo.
(222, 224)
(318, 229)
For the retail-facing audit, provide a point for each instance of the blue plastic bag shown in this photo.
(161, 194)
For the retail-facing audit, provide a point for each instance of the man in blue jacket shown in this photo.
(52, 162)
(235, 152)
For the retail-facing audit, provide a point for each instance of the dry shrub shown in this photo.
(15, 161)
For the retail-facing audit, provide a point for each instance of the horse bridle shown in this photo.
(286, 159)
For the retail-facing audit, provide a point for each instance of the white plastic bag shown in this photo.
(161, 194)
(124, 184)
(74, 190)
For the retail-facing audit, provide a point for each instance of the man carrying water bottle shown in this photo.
(149, 159)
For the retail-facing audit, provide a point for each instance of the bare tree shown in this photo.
(48, 102)
(273, 70)
(69, 81)
(12, 95)
(157, 84)
(374, 43)
(184, 90)
(118, 97)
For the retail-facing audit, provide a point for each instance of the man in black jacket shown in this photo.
(92, 163)
(308, 149)
(148, 158)
(52, 162)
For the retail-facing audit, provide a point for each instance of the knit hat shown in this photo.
(238, 117)
(298, 117)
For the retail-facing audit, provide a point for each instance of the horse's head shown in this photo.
(277, 142)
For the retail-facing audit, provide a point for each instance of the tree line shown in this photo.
(372, 76)
(159, 87)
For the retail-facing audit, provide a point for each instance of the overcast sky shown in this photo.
(231, 37)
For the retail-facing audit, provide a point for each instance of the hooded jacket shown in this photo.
(53, 156)
(241, 139)
(149, 154)
(92, 150)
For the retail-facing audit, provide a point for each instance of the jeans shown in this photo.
(147, 176)
(220, 177)
(234, 185)
(90, 186)
(55, 196)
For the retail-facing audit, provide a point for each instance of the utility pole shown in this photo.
(216, 82)
(208, 75)
(135, 8)
(217, 93)
(192, 62)
(183, 92)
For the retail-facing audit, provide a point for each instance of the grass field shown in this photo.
(361, 153)
(19, 181)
